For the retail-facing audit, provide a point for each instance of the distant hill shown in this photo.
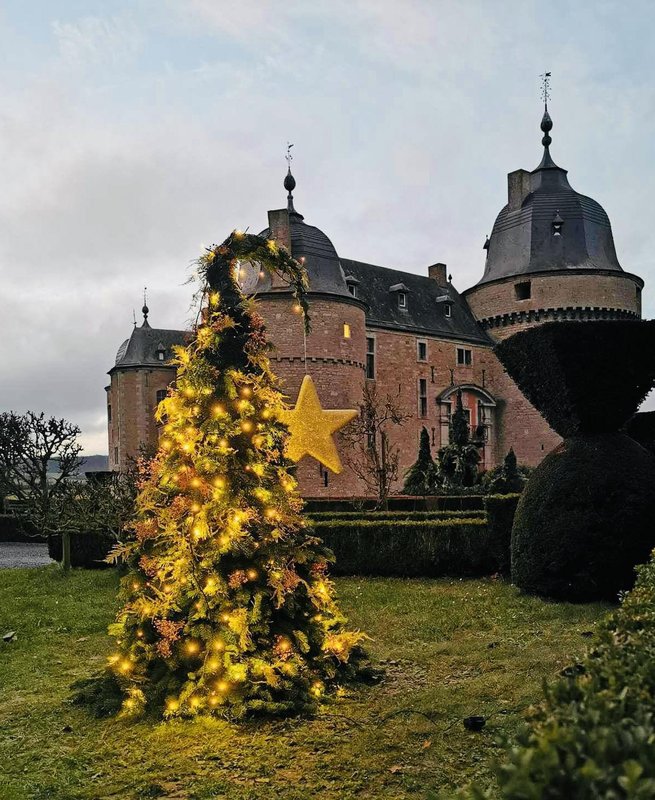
(91, 464)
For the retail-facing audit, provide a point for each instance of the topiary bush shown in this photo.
(584, 377)
(641, 428)
(593, 735)
(501, 509)
(585, 517)
(88, 550)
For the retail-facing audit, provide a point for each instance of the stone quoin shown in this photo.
(550, 257)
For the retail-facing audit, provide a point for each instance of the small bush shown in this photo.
(15, 529)
(87, 549)
(593, 735)
(458, 547)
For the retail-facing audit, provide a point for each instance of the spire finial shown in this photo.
(145, 310)
(134, 317)
(546, 122)
(289, 181)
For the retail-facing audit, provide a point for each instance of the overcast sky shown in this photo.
(134, 133)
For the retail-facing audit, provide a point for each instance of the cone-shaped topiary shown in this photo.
(420, 476)
(584, 377)
(585, 517)
(458, 461)
(227, 607)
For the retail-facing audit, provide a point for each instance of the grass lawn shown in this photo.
(451, 649)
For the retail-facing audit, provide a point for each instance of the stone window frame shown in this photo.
(464, 357)
(371, 356)
(422, 393)
(422, 343)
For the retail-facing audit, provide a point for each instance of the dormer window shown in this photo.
(161, 352)
(557, 224)
(401, 292)
(353, 285)
(448, 310)
(446, 303)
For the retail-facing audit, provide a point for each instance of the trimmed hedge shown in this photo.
(464, 502)
(585, 519)
(641, 428)
(14, 529)
(584, 377)
(380, 516)
(500, 518)
(593, 735)
(87, 549)
(460, 547)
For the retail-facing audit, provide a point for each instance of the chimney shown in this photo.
(278, 223)
(518, 188)
(438, 273)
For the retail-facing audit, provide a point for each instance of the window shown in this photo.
(161, 395)
(352, 288)
(422, 397)
(115, 455)
(448, 310)
(464, 357)
(523, 290)
(370, 358)
(346, 330)
(402, 300)
(432, 371)
(421, 350)
(109, 412)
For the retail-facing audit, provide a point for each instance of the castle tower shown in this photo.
(138, 382)
(333, 353)
(550, 257)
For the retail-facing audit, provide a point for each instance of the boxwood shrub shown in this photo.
(500, 518)
(592, 737)
(463, 502)
(461, 546)
(379, 516)
(87, 549)
(15, 529)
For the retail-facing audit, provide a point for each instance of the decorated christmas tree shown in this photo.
(227, 607)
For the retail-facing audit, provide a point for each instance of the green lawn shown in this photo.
(451, 648)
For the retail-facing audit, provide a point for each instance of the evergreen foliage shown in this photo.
(584, 377)
(420, 477)
(227, 607)
(458, 461)
(585, 519)
(593, 734)
(507, 478)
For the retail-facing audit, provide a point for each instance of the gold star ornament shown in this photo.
(311, 427)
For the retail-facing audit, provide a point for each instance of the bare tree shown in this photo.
(30, 444)
(370, 454)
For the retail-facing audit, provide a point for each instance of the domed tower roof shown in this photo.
(311, 247)
(548, 226)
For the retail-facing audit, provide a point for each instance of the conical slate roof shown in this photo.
(551, 228)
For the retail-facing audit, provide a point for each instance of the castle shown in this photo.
(550, 256)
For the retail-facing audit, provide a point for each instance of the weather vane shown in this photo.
(545, 87)
(288, 156)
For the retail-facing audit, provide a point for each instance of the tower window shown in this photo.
(370, 358)
(402, 300)
(422, 397)
(346, 330)
(421, 350)
(109, 412)
(523, 291)
(161, 395)
(115, 455)
(464, 357)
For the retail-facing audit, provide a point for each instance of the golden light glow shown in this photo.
(346, 330)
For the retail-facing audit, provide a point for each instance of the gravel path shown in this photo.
(14, 554)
